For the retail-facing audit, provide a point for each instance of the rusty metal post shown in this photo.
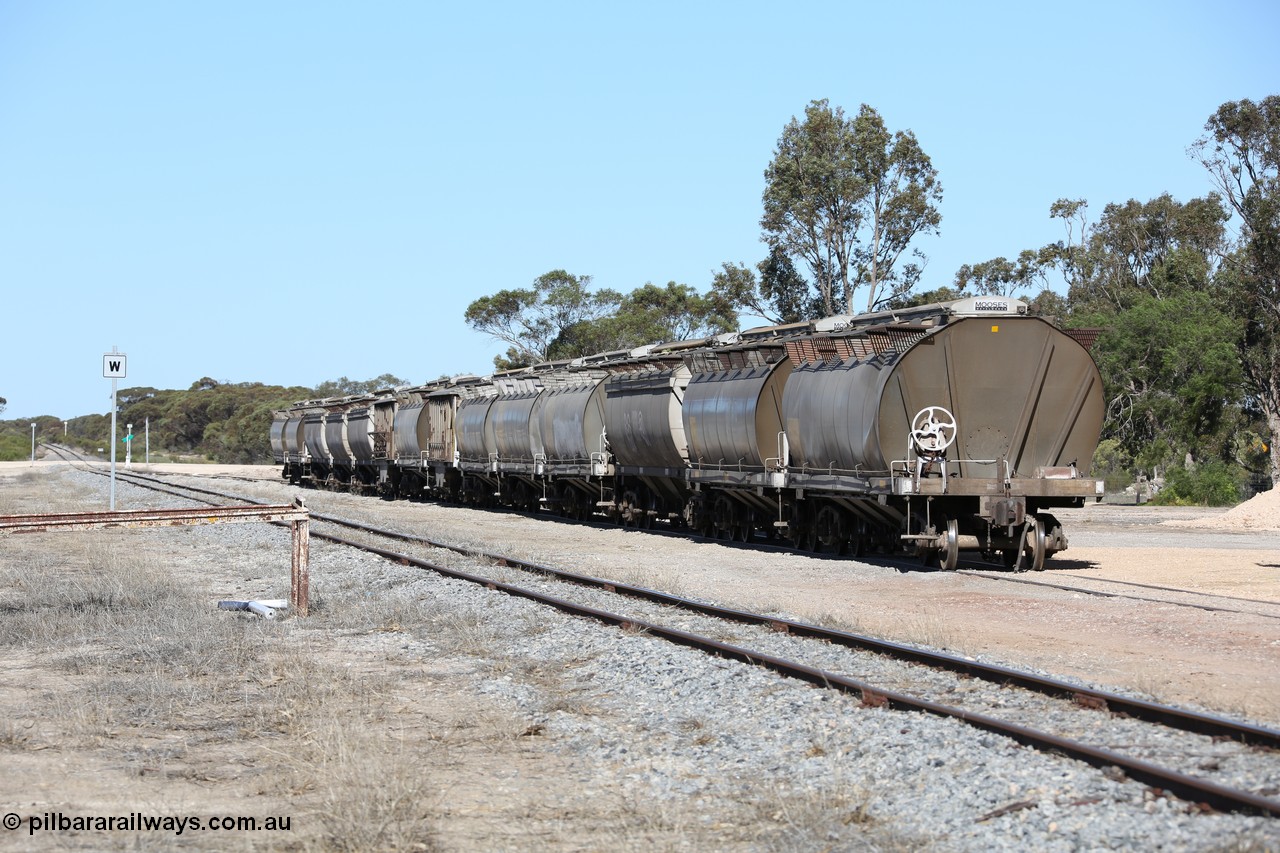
(296, 514)
(300, 575)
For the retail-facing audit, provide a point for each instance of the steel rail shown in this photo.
(1196, 722)
(1185, 786)
(1179, 718)
(1104, 594)
(899, 563)
(1263, 601)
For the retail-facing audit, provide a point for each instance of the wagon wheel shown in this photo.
(803, 534)
(927, 553)
(724, 517)
(696, 516)
(858, 539)
(1033, 548)
(744, 525)
(949, 557)
(581, 506)
(1036, 546)
(649, 512)
(1052, 532)
(830, 528)
(799, 525)
(629, 509)
(568, 503)
(647, 515)
(708, 528)
(809, 538)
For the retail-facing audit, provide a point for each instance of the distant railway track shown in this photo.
(908, 692)
(1105, 594)
(1176, 589)
(968, 567)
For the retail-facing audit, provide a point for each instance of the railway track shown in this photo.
(977, 569)
(914, 679)
(1209, 601)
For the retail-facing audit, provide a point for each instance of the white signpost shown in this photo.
(113, 368)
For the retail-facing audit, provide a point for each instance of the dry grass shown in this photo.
(826, 619)
(39, 490)
(351, 721)
(801, 819)
(143, 659)
(927, 626)
(653, 580)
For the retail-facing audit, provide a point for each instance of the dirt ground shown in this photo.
(1226, 661)
(114, 746)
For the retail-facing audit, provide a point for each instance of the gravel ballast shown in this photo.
(731, 745)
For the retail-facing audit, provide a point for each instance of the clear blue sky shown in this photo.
(289, 192)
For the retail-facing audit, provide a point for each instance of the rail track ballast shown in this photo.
(947, 428)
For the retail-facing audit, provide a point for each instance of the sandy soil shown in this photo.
(1228, 661)
(256, 472)
(1224, 660)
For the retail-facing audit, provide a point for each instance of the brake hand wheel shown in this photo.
(933, 429)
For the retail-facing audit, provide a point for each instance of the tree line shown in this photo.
(210, 421)
(1186, 293)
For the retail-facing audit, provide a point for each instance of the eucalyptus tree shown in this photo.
(1172, 377)
(531, 319)
(1241, 151)
(342, 386)
(676, 312)
(1157, 248)
(560, 317)
(1143, 273)
(648, 315)
(847, 197)
(902, 198)
(1002, 277)
(779, 294)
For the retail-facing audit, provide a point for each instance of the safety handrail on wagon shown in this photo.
(906, 464)
(720, 466)
(832, 470)
(560, 461)
(915, 477)
(783, 459)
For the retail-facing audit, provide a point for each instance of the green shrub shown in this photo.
(1208, 484)
(1114, 464)
(15, 446)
